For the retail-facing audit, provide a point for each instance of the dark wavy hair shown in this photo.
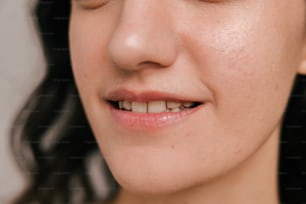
(54, 144)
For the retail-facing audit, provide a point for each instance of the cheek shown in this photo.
(249, 66)
(88, 47)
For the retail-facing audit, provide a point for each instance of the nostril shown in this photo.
(151, 64)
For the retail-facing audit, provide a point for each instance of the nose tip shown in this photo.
(132, 51)
(141, 40)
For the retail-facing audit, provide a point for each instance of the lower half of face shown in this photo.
(237, 58)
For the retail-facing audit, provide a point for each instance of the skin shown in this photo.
(242, 55)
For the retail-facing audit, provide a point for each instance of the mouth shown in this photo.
(150, 102)
(155, 106)
(150, 110)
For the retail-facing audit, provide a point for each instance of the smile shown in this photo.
(154, 106)
(149, 110)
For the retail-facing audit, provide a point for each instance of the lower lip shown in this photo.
(150, 121)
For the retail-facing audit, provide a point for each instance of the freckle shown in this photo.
(172, 146)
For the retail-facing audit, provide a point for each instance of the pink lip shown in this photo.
(147, 121)
(124, 94)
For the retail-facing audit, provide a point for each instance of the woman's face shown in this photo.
(237, 58)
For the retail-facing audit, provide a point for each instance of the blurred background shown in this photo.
(21, 69)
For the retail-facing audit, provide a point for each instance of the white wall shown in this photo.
(21, 68)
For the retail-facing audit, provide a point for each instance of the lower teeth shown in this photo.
(168, 110)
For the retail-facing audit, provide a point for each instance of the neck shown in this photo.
(254, 181)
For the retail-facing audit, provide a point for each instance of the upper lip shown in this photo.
(146, 95)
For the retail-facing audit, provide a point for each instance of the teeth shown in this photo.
(173, 105)
(126, 105)
(154, 106)
(120, 105)
(175, 110)
(157, 107)
(139, 107)
(187, 104)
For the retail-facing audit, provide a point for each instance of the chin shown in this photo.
(152, 177)
(151, 185)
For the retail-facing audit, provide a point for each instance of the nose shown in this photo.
(143, 37)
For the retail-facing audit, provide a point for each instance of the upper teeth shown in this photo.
(154, 106)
